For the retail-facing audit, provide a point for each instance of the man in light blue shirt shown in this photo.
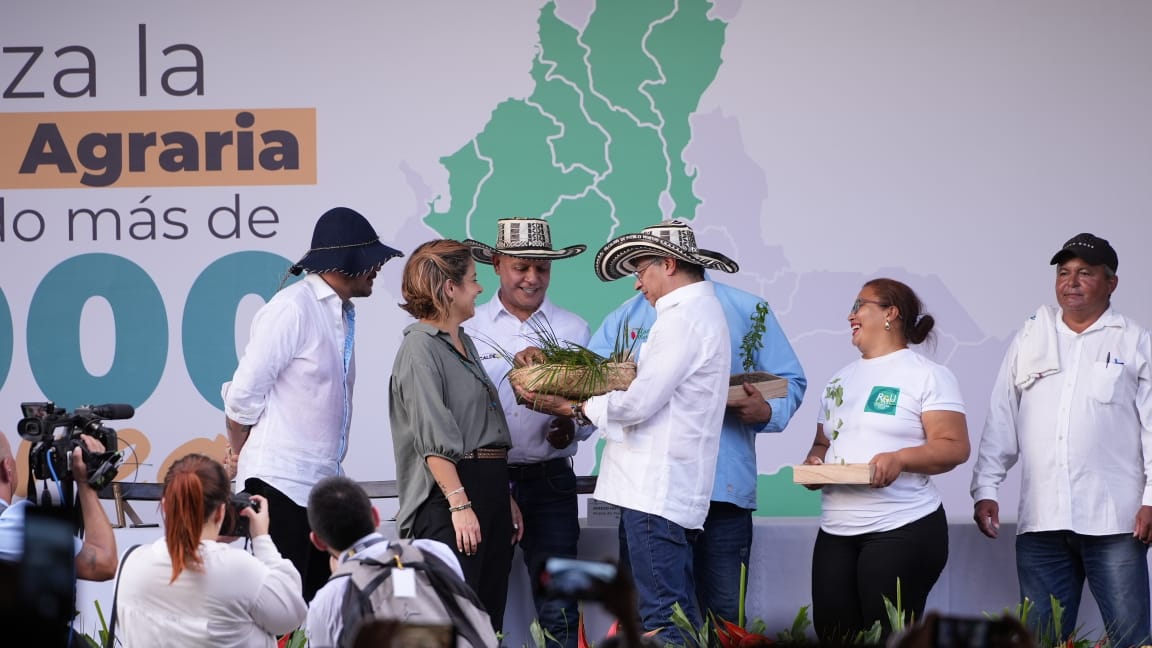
(727, 538)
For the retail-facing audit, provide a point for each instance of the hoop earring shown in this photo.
(887, 325)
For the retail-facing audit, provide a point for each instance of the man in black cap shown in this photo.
(1074, 401)
(289, 403)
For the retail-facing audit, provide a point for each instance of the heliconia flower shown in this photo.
(732, 635)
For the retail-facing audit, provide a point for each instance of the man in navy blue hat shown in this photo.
(289, 403)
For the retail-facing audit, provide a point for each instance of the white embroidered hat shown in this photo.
(524, 238)
(672, 238)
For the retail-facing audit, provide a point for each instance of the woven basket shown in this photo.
(573, 382)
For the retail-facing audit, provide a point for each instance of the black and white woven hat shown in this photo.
(344, 241)
(523, 238)
(672, 238)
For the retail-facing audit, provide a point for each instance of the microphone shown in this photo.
(112, 411)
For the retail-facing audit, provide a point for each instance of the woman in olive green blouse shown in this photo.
(448, 429)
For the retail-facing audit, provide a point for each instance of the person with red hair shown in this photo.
(189, 589)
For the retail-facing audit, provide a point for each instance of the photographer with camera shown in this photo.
(188, 589)
(96, 556)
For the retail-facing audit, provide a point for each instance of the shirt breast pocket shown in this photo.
(1107, 382)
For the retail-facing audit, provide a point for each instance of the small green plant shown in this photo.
(1050, 636)
(896, 619)
(689, 633)
(798, 633)
(834, 392)
(101, 630)
(753, 340)
(538, 634)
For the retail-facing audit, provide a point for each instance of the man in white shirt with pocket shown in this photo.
(1073, 403)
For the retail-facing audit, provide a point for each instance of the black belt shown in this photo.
(526, 472)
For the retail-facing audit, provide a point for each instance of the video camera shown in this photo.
(54, 432)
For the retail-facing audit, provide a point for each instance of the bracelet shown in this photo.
(463, 507)
(458, 490)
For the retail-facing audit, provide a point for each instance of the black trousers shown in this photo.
(851, 575)
(486, 572)
(289, 528)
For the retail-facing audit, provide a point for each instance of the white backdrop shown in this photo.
(952, 146)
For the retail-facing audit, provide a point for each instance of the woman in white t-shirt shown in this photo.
(903, 414)
(187, 589)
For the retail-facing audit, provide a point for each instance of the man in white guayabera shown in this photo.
(663, 432)
(1073, 401)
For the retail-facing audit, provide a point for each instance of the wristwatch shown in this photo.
(578, 413)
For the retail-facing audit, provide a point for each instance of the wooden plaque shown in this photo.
(822, 474)
(771, 386)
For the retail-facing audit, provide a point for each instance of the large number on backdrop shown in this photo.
(141, 326)
(210, 315)
(141, 331)
(5, 338)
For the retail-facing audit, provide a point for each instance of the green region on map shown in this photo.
(596, 148)
(598, 141)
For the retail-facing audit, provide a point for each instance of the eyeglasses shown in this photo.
(860, 302)
(640, 270)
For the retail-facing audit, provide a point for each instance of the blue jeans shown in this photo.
(659, 555)
(1116, 566)
(546, 495)
(718, 553)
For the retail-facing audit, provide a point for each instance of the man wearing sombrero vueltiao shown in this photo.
(289, 404)
(663, 432)
(540, 461)
(723, 550)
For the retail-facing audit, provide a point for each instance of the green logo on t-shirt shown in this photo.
(883, 400)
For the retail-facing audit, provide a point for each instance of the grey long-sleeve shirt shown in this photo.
(440, 404)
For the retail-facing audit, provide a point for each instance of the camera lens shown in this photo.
(29, 429)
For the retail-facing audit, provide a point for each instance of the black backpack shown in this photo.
(441, 597)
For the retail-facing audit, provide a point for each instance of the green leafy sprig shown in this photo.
(833, 392)
(753, 340)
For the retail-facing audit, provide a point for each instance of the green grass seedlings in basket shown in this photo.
(575, 371)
